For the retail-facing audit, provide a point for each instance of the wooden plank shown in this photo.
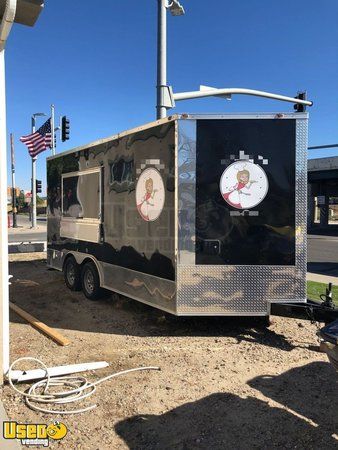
(55, 335)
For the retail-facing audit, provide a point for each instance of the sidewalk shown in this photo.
(328, 237)
(24, 225)
(319, 278)
(27, 229)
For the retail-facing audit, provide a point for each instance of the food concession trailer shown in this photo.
(192, 214)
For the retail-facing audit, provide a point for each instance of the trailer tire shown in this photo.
(263, 322)
(90, 282)
(72, 274)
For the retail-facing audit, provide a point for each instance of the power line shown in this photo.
(323, 146)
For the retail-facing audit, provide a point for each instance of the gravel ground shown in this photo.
(224, 383)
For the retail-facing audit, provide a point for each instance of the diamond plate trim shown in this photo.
(236, 289)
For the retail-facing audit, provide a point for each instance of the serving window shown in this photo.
(81, 195)
(81, 206)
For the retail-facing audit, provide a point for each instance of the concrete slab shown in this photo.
(27, 247)
(7, 444)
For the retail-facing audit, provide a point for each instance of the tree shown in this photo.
(39, 200)
(21, 201)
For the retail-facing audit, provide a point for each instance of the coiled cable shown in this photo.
(78, 386)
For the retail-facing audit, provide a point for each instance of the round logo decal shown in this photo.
(244, 185)
(150, 194)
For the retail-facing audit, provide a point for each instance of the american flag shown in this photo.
(39, 141)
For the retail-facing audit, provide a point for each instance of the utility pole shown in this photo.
(14, 210)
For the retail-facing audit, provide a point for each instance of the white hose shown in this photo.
(80, 388)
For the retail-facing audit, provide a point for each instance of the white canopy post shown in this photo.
(5, 28)
(25, 12)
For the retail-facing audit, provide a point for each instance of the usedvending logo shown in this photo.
(37, 434)
(150, 194)
(244, 184)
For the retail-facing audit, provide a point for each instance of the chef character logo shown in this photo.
(150, 194)
(244, 185)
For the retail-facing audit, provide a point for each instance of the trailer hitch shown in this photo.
(327, 297)
(315, 311)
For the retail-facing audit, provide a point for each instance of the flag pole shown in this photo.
(33, 199)
(52, 125)
(34, 158)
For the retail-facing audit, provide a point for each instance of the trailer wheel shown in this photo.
(90, 281)
(72, 274)
(263, 322)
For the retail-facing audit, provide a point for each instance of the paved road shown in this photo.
(323, 254)
(24, 234)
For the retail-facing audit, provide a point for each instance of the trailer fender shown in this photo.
(82, 258)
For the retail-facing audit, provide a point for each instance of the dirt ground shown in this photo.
(224, 383)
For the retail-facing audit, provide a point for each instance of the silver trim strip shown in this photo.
(269, 115)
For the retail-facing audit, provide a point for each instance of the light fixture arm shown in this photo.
(228, 92)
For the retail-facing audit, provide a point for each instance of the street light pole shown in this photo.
(176, 9)
(161, 57)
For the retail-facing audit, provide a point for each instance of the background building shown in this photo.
(323, 194)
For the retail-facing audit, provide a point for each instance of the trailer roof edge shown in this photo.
(183, 116)
(118, 135)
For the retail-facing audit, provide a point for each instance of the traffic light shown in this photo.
(38, 185)
(297, 106)
(65, 129)
(54, 140)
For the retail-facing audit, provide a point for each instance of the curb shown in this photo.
(27, 247)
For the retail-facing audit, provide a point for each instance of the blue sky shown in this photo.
(96, 61)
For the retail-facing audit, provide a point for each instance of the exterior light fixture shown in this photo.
(176, 8)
